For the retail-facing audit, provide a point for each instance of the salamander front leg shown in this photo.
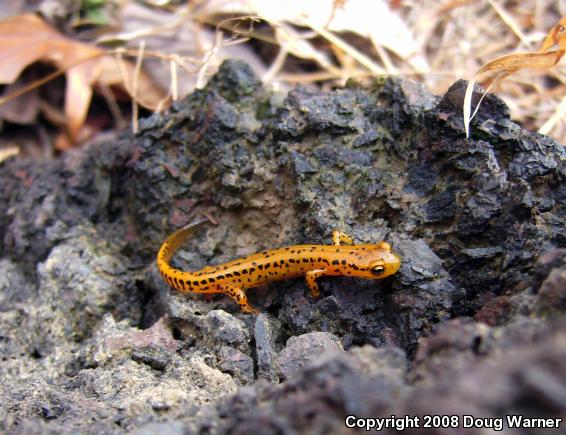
(311, 277)
(341, 237)
(240, 297)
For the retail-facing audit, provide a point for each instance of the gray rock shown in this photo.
(237, 364)
(152, 356)
(389, 361)
(265, 353)
(15, 288)
(420, 263)
(164, 428)
(551, 298)
(225, 328)
(300, 350)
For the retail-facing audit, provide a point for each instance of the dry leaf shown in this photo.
(511, 63)
(27, 39)
(175, 31)
(6, 153)
(373, 19)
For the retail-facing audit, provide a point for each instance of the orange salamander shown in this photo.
(312, 261)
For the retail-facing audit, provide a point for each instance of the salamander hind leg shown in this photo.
(240, 297)
(311, 277)
(339, 237)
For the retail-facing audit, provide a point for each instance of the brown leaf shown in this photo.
(511, 63)
(27, 39)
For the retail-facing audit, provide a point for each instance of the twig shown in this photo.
(360, 57)
(135, 87)
(112, 105)
(508, 20)
(559, 113)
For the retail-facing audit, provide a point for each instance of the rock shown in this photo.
(420, 263)
(551, 298)
(300, 350)
(151, 356)
(503, 384)
(80, 282)
(90, 332)
(237, 364)
(319, 397)
(165, 428)
(225, 328)
(265, 353)
(15, 288)
(389, 361)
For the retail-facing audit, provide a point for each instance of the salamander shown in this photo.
(369, 261)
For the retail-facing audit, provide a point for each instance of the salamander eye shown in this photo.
(378, 270)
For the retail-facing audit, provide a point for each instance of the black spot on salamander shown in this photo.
(236, 273)
(211, 280)
(291, 260)
(335, 262)
(252, 269)
(195, 283)
(220, 277)
(264, 253)
(203, 281)
(343, 262)
(229, 275)
(351, 252)
(337, 249)
(356, 267)
(281, 261)
(292, 251)
(267, 266)
(245, 271)
(319, 259)
(254, 263)
(287, 248)
(324, 260)
(260, 267)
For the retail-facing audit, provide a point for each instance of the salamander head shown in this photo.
(381, 262)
